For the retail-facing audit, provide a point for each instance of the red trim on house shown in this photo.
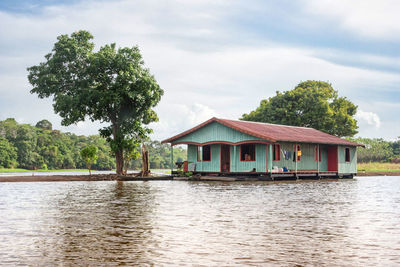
(333, 158)
(222, 142)
(255, 152)
(202, 160)
(220, 158)
(315, 153)
(319, 153)
(347, 159)
(277, 152)
(297, 153)
(273, 132)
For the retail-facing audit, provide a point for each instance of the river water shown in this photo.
(171, 223)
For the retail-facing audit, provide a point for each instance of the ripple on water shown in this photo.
(323, 223)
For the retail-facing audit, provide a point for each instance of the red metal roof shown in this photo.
(273, 132)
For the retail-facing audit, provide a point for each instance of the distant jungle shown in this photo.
(41, 147)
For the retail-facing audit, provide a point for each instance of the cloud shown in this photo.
(198, 55)
(369, 117)
(374, 19)
(180, 117)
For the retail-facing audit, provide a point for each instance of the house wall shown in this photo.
(307, 160)
(246, 166)
(347, 167)
(206, 166)
(216, 132)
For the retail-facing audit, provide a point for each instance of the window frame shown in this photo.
(298, 158)
(276, 156)
(201, 151)
(251, 156)
(347, 155)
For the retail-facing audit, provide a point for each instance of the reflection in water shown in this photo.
(323, 223)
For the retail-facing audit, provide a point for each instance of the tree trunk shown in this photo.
(119, 160)
(145, 162)
(119, 155)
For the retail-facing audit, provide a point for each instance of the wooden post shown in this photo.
(296, 159)
(270, 158)
(172, 158)
(234, 158)
(318, 153)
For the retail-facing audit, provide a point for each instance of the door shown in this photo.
(332, 158)
(225, 158)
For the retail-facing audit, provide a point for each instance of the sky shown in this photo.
(217, 57)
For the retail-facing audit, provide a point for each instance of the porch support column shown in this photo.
(318, 153)
(172, 158)
(296, 157)
(270, 157)
(234, 158)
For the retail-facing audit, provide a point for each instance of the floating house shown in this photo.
(232, 147)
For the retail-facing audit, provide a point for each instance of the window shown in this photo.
(298, 153)
(347, 154)
(248, 152)
(277, 152)
(317, 154)
(204, 153)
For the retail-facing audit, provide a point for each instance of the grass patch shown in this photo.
(3, 170)
(13, 170)
(378, 167)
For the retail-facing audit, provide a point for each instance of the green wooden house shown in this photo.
(231, 147)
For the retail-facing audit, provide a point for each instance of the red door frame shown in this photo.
(333, 158)
(229, 157)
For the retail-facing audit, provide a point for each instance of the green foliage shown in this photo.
(376, 150)
(45, 125)
(89, 155)
(31, 148)
(44, 167)
(111, 85)
(312, 104)
(8, 154)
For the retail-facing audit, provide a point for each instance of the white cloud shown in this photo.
(367, 18)
(370, 118)
(203, 69)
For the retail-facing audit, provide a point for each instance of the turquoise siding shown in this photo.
(246, 166)
(347, 167)
(216, 132)
(206, 166)
(307, 160)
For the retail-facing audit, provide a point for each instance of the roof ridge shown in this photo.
(283, 125)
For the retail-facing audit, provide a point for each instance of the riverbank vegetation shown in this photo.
(26, 147)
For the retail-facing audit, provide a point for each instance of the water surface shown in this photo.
(169, 223)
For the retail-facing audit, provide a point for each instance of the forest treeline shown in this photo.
(377, 150)
(40, 147)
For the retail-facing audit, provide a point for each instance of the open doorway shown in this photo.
(225, 158)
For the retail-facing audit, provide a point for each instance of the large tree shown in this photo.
(111, 86)
(312, 104)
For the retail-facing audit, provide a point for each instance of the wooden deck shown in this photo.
(271, 176)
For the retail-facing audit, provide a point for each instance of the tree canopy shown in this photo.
(28, 147)
(89, 155)
(312, 104)
(110, 85)
(44, 124)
